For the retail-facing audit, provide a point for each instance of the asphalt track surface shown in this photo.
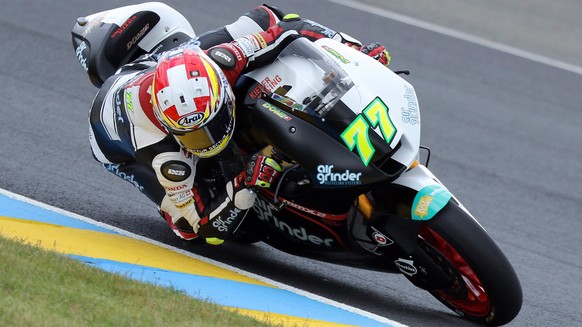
(504, 131)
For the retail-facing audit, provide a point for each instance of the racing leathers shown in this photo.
(207, 197)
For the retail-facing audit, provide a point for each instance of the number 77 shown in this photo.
(356, 135)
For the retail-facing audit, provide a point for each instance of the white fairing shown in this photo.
(171, 21)
(419, 178)
(373, 80)
(370, 80)
(361, 81)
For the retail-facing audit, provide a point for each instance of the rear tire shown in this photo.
(487, 289)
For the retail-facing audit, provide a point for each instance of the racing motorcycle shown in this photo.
(353, 190)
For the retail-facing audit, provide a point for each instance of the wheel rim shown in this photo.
(466, 296)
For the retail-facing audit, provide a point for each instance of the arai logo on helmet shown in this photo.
(191, 120)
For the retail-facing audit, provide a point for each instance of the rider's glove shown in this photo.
(378, 52)
(261, 171)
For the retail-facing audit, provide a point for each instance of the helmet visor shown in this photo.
(210, 139)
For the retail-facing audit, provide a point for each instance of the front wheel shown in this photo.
(484, 288)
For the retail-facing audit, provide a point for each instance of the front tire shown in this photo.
(485, 287)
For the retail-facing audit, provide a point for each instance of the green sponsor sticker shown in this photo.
(429, 201)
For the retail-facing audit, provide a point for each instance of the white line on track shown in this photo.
(458, 35)
(207, 260)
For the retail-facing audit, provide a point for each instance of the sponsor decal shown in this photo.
(176, 188)
(247, 45)
(265, 213)
(223, 58)
(176, 171)
(123, 26)
(191, 120)
(381, 239)
(218, 146)
(114, 168)
(128, 100)
(326, 218)
(288, 102)
(181, 197)
(356, 136)
(253, 41)
(223, 224)
(134, 40)
(326, 176)
(233, 50)
(185, 204)
(305, 209)
(81, 55)
(278, 112)
(406, 266)
(222, 55)
(410, 114)
(336, 54)
(265, 86)
(429, 201)
(329, 33)
(118, 112)
(261, 40)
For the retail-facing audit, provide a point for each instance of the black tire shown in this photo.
(452, 229)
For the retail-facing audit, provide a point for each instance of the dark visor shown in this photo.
(211, 136)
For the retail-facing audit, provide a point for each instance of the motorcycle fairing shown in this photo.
(322, 156)
(325, 99)
(298, 229)
(320, 93)
(397, 94)
(431, 195)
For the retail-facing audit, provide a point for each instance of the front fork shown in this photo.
(400, 207)
(416, 194)
(395, 216)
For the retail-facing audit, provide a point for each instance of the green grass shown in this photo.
(42, 288)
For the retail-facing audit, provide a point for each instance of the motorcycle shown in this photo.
(353, 190)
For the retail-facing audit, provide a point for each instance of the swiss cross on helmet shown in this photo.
(193, 100)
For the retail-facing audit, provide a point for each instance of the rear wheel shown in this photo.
(484, 288)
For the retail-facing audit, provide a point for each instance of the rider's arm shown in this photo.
(257, 20)
(251, 51)
(217, 215)
(315, 31)
(256, 50)
(175, 172)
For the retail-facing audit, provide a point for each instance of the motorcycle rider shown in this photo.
(165, 122)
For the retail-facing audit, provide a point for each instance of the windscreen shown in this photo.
(319, 82)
